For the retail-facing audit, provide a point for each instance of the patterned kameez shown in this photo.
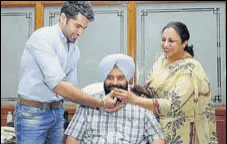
(183, 102)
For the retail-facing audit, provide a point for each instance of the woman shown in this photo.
(183, 101)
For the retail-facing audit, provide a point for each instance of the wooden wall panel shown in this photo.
(18, 3)
(4, 112)
(132, 33)
(39, 10)
(221, 124)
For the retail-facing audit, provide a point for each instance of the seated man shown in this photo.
(129, 125)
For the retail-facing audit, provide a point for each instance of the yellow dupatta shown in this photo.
(184, 98)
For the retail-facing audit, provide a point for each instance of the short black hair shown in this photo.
(72, 8)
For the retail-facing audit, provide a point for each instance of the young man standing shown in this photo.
(48, 74)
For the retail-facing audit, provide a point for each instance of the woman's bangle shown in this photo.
(154, 106)
(157, 107)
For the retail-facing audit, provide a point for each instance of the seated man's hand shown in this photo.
(109, 101)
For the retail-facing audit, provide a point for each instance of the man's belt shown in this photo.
(43, 105)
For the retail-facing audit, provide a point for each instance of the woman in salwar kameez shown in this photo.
(183, 97)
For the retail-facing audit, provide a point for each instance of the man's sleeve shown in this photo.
(42, 49)
(78, 124)
(153, 129)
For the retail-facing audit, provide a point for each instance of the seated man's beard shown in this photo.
(110, 87)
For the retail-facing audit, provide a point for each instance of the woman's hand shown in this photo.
(125, 96)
